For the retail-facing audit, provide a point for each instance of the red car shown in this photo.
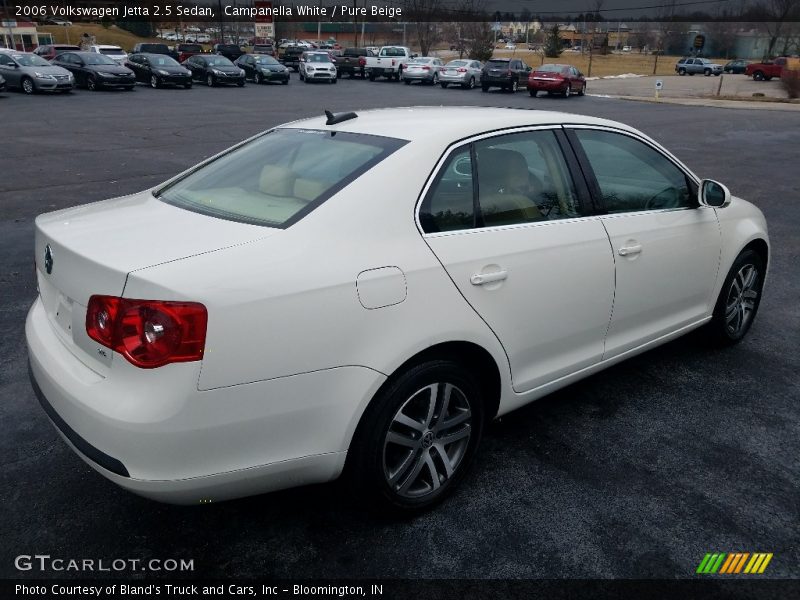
(49, 52)
(556, 79)
(764, 71)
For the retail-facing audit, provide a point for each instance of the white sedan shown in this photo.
(360, 294)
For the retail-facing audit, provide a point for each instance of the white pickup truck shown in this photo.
(389, 63)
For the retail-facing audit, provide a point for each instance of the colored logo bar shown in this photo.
(734, 563)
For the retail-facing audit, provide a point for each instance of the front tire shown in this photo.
(258, 79)
(210, 81)
(707, 72)
(154, 83)
(681, 71)
(28, 86)
(417, 438)
(91, 84)
(738, 300)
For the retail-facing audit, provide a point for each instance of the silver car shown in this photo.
(32, 73)
(698, 65)
(464, 72)
(425, 69)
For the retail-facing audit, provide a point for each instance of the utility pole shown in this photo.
(221, 24)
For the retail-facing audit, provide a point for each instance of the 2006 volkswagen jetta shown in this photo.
(361, 293)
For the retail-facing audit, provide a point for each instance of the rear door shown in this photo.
(666, 246)
(505, 218)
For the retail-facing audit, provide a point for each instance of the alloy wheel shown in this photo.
(153, 81)
(741, 302)
(427, 440)
(210, 81)
(27, 86)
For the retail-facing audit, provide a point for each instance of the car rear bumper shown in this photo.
(463, 78)
(426, 76)
(496, 81)
(152, 432)
(543, 85)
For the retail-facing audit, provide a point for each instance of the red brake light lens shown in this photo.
(148, 333)
(462, 70)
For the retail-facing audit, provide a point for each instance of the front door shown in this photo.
(666, 247)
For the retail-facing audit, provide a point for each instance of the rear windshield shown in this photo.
(279, 177)
(550, 68)
(157, 48)
(112, 51)
(190, 48)
(498, 64)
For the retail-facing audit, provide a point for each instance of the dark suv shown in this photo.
(154, 49)
(353, 61)
(229, 51)
(291, 57)
(267, 49)
(505, 73)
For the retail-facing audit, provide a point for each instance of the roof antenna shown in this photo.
(334, 119)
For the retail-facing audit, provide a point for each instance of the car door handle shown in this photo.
(630, 250)
(481, 278)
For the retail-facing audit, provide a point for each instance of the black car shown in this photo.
(147, 48)
(505, 73)
(736, 66)
(96, 71)
(291, 57)
(158, 70)
(229, 51)
(214, 70)
(353, 61)
(262, 68)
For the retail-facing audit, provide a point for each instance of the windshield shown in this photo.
(218, 61)
(266, 60)
(97, 59)
(112, 51)
(318, 58)
(31, 60)
(163, 61)
(279, 177)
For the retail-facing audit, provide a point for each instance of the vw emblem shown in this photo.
(48, 259)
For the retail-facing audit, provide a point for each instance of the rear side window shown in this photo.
(280, 176)
(449, 204)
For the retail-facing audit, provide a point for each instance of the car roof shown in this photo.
(415, 123)
(107, 47)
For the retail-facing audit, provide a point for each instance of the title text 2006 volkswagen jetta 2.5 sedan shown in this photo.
(359, 294)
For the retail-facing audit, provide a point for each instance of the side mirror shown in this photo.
(714, 194)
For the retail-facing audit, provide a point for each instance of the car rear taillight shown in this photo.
(148, 333)
(426, 68)
(462, 70)
(362, 61)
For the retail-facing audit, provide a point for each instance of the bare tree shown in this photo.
(424, 15)
(778, 13)
(723, 37)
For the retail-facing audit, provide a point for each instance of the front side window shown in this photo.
(279, 177)
(631, 175)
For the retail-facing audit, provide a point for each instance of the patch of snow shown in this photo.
(624, 76)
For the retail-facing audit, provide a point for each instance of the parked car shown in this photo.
(627, 48)
(766, 70)
(229, 51)
(2, 84)
(50, 51)
(736, 66)
(159, 70)
(556, 79)
(317, 66)
(262, 68)
(31, 73)
(691, 66)
(353, 61)
(399, 338)
(511, 46)
(148, 48)
(96, 71)
(505, 73)
(214, 70)
(390, 62)
(425, 69)
(268, 49)
(463, 72)
(291, 57)
(115, 53)
(57, 21)
(186, 50)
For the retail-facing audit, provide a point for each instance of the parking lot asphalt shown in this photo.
(636, 472)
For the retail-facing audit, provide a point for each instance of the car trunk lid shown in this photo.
(90, 250)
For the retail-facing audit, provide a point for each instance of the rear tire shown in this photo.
(738, 300)
(514, 86)
(484, 88)
(533, 93)
(758, 76)
(417, 438)
(444, 85)
(568, 91)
